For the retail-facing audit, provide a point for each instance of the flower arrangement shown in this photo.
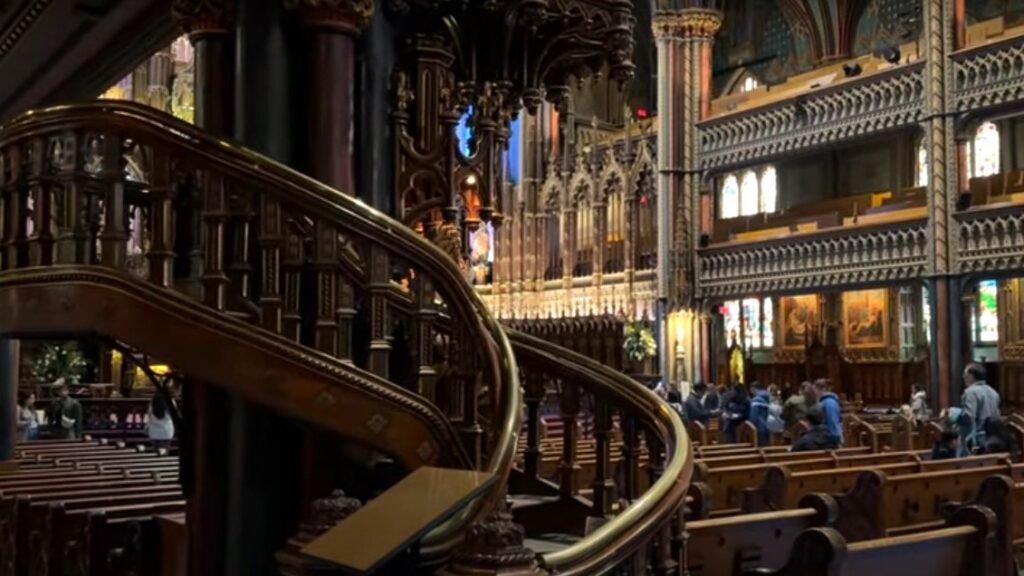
(60, 361)
(639, 342)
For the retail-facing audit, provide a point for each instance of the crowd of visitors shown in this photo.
(974, 427)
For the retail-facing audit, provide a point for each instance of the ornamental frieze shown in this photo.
(991, 240)
(988, 75)
(854, 109)
(832, 260)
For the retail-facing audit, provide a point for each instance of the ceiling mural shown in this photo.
(776, 39)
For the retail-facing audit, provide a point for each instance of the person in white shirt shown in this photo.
(160, 426)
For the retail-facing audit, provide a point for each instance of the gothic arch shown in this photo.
(552, 192)
(641, 174)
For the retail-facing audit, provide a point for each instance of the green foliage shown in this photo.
(60, 361)
(639, 342)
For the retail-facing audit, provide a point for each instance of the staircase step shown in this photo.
(547, 543)
(524, 500)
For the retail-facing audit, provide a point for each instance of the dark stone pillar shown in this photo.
(210, 25)
(375, 153)
(265, 449)
(9, 364)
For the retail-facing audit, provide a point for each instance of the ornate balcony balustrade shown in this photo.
(990, 238)
(988, 75)
(836, 258)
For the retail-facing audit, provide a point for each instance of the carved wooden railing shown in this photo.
(119, 220)
(638, 519)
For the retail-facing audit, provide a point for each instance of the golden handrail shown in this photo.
(657, 505)
(351, 213)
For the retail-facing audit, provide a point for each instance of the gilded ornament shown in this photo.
(689, 23)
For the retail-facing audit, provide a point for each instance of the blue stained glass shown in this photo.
(512, 156)
(464, 133)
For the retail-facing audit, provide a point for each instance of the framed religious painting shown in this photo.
(798, 318)
(866, 318)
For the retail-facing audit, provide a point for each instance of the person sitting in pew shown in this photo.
(947, 446)
(760, 409)
(818, 437)
(736, 411)
(694, 409)
(799, 405)
(159, 425)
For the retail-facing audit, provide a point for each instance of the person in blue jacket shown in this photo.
(760, 406)
(830, 408)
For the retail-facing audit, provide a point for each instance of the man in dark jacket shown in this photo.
(694, 409)
(817, 438)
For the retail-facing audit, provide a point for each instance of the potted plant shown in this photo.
(640, 345)
(60, 361)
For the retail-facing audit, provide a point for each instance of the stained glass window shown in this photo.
(731, 315)
(986, 317)
(926, 308)
(922, 165)
(768, 189)
(464, 133)
(730, 198)
(749, 84)
(986, 151)
(752, 323)
(749, 200)
(767, 336)
(512, 155)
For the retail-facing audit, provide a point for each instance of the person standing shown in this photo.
(980, 405)
(65, 415)
(830, 409)
(919, 403)
(28, 418)
(159, 425)
(760, 409)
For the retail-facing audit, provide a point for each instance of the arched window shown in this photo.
(985, 155)
(731, 316)
(768, 190)
(767, 336)
(730, 198)
(749, 197)
(755, 316)
(985, 317)
(749, 84)
(922, 165)
(752, 322)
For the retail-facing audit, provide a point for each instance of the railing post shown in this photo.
(325, 261)
(213, 277)
(15, 211)
(271, 240)
(604, 484)
(294, 254)
(161, 220)
(570, 410)
(630, 456)
(40, 243)
(114, 238)
(534, 395)
(426, 314)
(380, 317)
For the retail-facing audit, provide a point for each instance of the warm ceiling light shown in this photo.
(471, 180)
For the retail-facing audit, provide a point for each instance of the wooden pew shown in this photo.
(725, 545)
(783, 488)
(967, 547)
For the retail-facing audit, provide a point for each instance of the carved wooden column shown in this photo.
(943, 158)
(684, 40)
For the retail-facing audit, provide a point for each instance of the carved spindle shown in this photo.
(291, 317)
(570, 410)
(380, 317)
(345, 315)
(15, 212)
(40, 239)
(664, 563)
(4, 203)
(533, 397)
(271, 240)
(426, 315)
(163, 190)
(630, 456)
(114, 237)
(325, 263)
(214, 206)
(239, 233)
(467, 375)
(604, 484)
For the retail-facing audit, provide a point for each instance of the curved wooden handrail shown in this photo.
(631, 529)
(350, 214)
(264, 367)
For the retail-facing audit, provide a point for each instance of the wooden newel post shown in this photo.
(494, 547)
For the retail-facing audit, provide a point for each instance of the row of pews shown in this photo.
(88, 508)
(851, 511)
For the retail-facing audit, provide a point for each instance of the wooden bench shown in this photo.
(967, 547)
